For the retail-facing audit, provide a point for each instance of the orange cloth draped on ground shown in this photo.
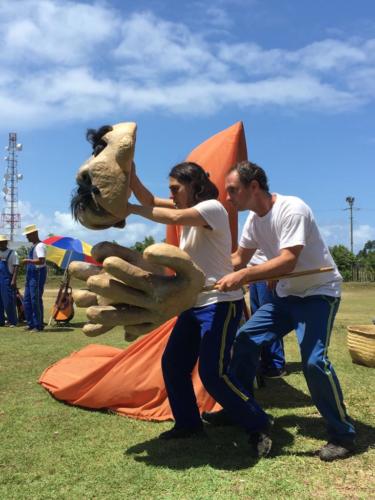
(130, 381)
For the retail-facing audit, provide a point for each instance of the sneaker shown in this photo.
(11, 326)
(275, 373)
(335, 450)
(182, 433)
(27, 328)
(261, 444)
(218, 418)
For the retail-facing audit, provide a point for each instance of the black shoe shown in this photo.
(217, 418)
(261, 444)
(275, 373)
(261, 441)
(335, 450)
(182, 433)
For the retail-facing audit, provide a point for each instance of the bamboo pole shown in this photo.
(295, 274)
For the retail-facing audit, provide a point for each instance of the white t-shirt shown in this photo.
(257, 258)
(210, 249)
(289, 223)
(13, 259)
(39, 252)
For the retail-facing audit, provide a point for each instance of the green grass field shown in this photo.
(52, 450)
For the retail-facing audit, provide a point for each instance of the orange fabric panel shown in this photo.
(217, 155)
(129, 381)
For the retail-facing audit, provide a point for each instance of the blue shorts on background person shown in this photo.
(272, 356)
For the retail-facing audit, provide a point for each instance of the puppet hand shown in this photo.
(133, 292)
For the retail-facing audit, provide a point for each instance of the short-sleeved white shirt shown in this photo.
(257, 258)
(13, 258)
(210, 249)
(289, 223)
(39, 252)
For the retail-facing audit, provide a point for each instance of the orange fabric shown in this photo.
(129, 381)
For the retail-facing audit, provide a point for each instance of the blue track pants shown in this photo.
(206, 333)
(312, 319)
(272, 356)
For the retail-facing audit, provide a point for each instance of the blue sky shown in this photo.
(299, 74)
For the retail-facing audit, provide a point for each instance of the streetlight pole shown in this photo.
(350, 201)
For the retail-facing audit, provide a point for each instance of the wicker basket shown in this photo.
(361, 344)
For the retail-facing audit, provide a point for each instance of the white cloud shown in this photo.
(62, 224)
(77, 61)
(53, 31)
(362, 234)
(338, 234)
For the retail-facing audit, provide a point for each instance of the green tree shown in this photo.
(366, 256)
(23, 253)
(344, 259)
(139, 246)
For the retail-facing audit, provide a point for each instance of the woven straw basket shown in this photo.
(361, 344)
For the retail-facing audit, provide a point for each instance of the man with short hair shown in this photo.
(36, 274)
(8, 283)
(283, 227)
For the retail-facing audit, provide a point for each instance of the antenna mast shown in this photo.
(10, 216)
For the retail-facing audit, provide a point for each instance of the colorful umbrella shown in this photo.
(62, 250)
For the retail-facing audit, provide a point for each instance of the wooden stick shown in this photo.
(296, 274)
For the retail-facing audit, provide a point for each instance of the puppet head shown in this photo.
(103, 180)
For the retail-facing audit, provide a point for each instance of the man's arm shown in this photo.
(282, 264)
(13, 283)
(241, 257)
(38, 262)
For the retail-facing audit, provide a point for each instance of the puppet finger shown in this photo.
(116, 292)
(83, 270)
(120, 315)
(95, 329)
(84, 298)
(133, 276)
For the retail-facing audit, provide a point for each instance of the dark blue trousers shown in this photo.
(7, 296)
(206, 333)
(33, 297)
(312, 318)
(272, 356)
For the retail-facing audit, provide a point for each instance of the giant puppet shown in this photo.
(143, 296)
(129, 381)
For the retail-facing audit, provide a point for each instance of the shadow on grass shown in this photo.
(223, 448)
(68, 327)
(313, 427)
(277, 393)
(226, 448)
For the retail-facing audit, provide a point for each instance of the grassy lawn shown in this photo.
(51, 450)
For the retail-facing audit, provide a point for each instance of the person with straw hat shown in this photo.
(8, 283)
(36, 274)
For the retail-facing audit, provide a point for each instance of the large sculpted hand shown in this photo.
(131, 290)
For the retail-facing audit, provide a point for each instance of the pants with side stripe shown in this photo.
(272, 356)
(206, 333)
(33, 297)
(312, 318)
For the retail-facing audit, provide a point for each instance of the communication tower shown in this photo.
(10, 216)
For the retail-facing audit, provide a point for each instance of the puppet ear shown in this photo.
(124, 136)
